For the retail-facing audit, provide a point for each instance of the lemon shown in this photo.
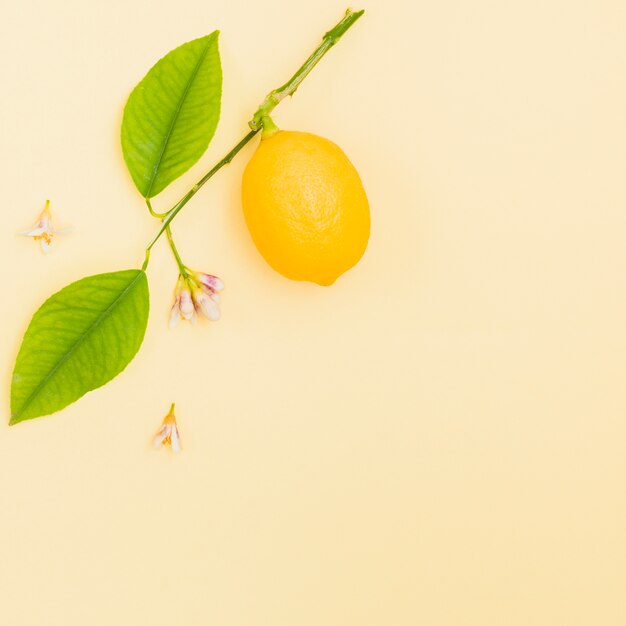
(305, 207)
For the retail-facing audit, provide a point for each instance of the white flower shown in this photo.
(210, 283)
(196, 293)
(206, 305)
(168, 433)
(206, 296)
(43, 231)
(183, 307)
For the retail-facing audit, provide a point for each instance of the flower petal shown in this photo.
(36, 231)
(208, 308)
(175, 316)
(164, 432)
(186, 305)
(46, 244)
(175, 439)
(208, 280)
(45, 219)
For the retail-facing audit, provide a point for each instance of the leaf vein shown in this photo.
(79, 341)
(181, 102)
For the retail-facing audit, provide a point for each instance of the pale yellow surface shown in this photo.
(439, 439)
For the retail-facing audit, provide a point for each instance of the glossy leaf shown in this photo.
(171, 115)
(80, 338)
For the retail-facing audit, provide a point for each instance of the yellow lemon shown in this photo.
(305, 207)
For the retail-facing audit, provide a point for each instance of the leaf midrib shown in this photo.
(170, 130)
(99, 320)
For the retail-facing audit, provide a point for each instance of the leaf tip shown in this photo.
(16, 415)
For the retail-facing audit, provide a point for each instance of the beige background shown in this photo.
(439, 438)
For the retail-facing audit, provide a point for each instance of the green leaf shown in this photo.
(80, 338)
(171, 115)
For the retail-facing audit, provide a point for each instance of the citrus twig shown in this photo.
(256, 124)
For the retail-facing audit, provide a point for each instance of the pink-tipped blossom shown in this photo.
(43, 231)
(168, 435)
(196, 294)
